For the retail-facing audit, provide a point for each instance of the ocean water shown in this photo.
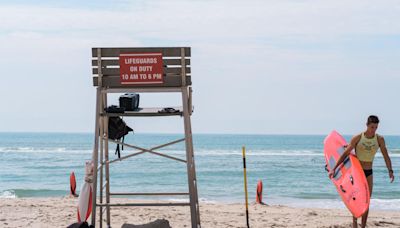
(291, 168)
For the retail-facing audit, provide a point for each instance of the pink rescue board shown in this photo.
(349, 178)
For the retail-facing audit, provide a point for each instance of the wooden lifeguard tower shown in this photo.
(140, 70)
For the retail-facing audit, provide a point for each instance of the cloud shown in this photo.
(216, 19)
(284, 60)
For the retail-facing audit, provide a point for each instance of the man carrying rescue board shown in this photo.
(366, 145)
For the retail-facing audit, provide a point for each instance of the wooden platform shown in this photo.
(148, 112)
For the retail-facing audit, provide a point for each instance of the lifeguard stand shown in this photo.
(114, 72)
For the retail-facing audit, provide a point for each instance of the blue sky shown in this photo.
(258, 67)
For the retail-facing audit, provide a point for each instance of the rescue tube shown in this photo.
(85, 202)
(72, 184)
(85, 196)
(259, 192)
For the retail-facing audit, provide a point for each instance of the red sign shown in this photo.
(141, 68)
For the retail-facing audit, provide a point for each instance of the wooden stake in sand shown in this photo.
(245, 185)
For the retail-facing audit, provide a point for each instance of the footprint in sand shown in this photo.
(382, 223)
(313, 213)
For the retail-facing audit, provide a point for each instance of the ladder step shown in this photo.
(149, 194)
(142, 204)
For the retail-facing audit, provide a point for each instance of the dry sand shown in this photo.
(60, 212)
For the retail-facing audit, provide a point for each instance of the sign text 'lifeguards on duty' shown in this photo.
(141, 68)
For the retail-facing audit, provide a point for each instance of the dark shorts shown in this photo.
(368, 172)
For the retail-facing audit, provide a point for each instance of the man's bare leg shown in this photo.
(354, 222)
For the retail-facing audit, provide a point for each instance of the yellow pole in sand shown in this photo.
(245, 185)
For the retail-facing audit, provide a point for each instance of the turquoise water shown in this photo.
(291, 168)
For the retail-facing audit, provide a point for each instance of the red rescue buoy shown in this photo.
(259, 192)
(72, 184)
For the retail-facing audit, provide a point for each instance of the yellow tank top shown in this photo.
(366, 148)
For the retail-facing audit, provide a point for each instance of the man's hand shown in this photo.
(331, 174)
(391, 176)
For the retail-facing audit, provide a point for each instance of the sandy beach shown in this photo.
(61, 211)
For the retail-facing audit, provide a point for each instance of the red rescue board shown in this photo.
(349, 178)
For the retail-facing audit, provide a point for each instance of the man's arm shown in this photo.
(382, 146)
(346, 153)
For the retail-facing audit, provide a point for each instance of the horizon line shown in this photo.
(200, 133)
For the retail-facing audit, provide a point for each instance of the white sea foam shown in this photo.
(288, 153)
(260, 152)
(199, 152)
(40, 150)
(293, 153)
(204, 200)
(376, 204)
(385, 204)
(177, 200)
(8, 194)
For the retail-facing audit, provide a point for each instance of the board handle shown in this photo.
(341, 188)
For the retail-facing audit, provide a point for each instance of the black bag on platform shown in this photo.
(129, 101)
(117, 129)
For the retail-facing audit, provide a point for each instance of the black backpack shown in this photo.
(80, 225)
(117, 129)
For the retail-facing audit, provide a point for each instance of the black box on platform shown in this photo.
(129, 101)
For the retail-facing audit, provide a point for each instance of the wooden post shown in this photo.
(183, 65)
(101, 173)
(95, 156)
(191, 171)
(105, 118)
(102, 132)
